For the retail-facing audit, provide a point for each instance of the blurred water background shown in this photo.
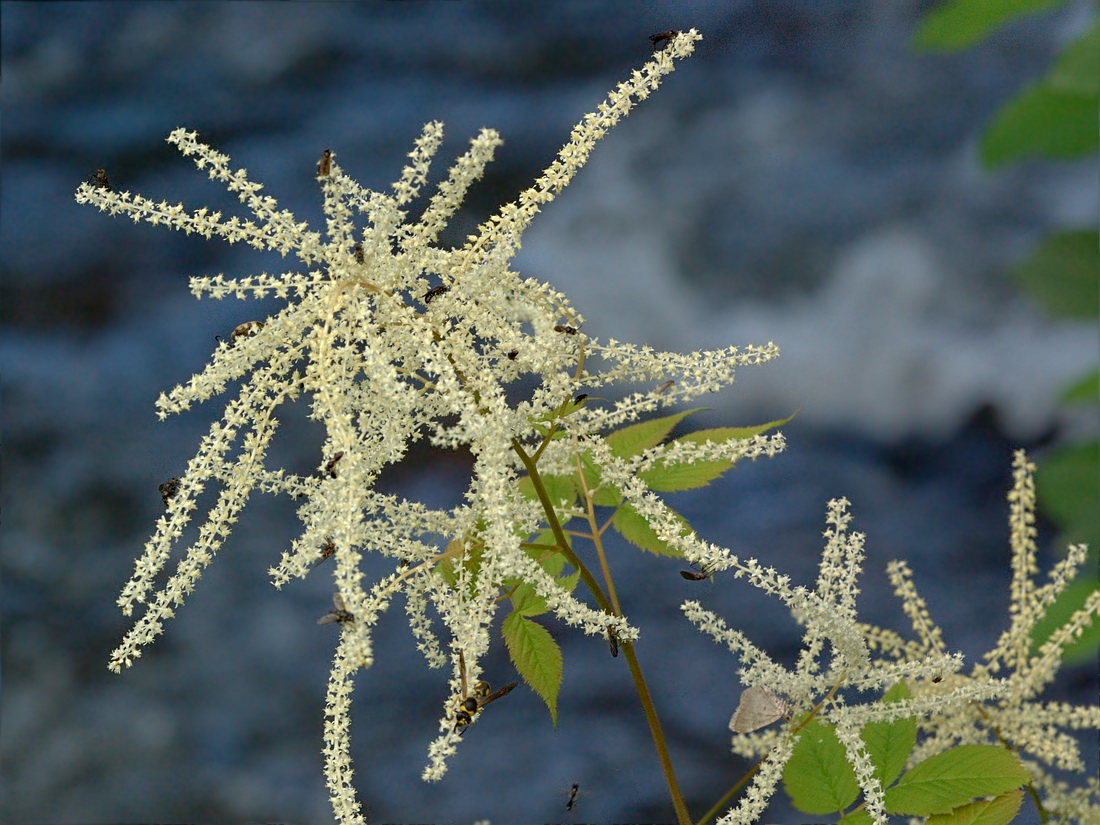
(806, 178)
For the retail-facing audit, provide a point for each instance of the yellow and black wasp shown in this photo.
(470, 704)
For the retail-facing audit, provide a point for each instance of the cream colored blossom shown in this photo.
(393, 339)
(951, 707)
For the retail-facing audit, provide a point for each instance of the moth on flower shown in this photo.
(757, 708)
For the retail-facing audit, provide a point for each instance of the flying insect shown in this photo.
(471, 704)
(662, 37)
(339, 612)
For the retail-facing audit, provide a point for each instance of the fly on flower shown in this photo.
(99, 180)
(330, 465)
(327, 549)
(695, 575)
(339, 613)
(169, 489)
(324, 165)
(662, 37)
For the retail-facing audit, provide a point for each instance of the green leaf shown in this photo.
(668, 478)
(537, 658)
(947, 780)
(818, 778)
(1085, 391)
(1076, 69)
(633, 439)
(558, 488)
(604, 496)
(1068, 483)
(1042, 121)
(998, 811)
(527, 602)
(720, 434)
(857, 817)
(890, 743)
(637, 531)
(1061, 273)
(1083, 648)
(956, 25)
(552, 560)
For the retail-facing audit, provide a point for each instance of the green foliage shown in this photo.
(632, 527)
(890, 743)
(537, 658)
(684, 475)
(1068, 486)
(959, 24)
(1085, 391)
(636, 438)
(819, 779)
(997, 811)
(534, 653)
(954, 778)
(1055, 117)
(1061, 272)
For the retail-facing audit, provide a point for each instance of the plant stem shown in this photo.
(648, 708)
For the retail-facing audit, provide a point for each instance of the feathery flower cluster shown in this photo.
(951, 708)
(394, 340)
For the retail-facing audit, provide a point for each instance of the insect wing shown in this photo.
(492, 697)
(758, 708)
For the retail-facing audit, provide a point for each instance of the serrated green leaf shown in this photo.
(537, 658)
(527, 602)
(818, 778)
(1061, 273)
(721, 434)
(635, 529)
(955, 25)
(633, 439)
(890, 743)
(998, 811)
(947, 780)
(669, 478)
(1042, 121)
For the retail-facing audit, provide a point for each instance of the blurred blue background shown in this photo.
(805, 178)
